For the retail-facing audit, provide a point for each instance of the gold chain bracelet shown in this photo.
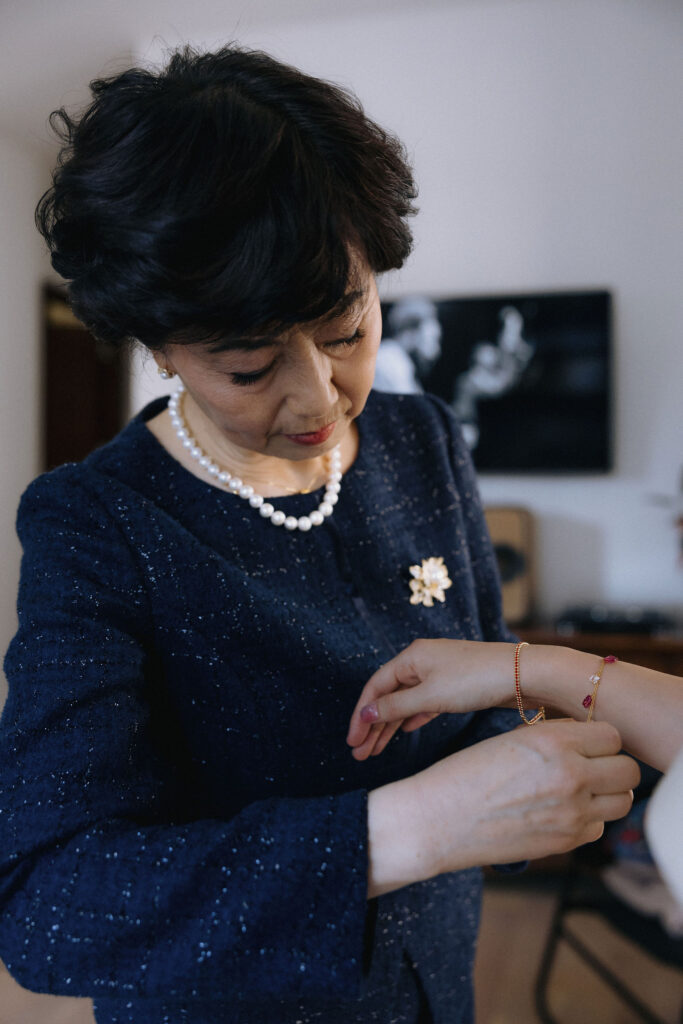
(540, 714)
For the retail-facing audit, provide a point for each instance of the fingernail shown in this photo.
(369, 713)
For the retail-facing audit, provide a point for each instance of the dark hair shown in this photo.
(223, 194)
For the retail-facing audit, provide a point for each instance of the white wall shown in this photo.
(22, 270)
(546, 139)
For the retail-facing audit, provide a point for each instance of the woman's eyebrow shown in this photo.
(231, 344)
(347, 302)
(249, 344)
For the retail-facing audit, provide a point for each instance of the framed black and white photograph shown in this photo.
(528, 376)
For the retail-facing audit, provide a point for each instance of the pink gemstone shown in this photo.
(610, 659)
(587, 700)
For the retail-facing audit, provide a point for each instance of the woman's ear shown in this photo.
(163, 367)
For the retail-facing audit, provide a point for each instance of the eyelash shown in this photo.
(245, 379)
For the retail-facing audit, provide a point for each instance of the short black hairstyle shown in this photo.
(226, 192)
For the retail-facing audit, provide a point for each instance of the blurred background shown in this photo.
(546, 140)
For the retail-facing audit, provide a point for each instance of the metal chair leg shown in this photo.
(616, 984)
(543, 976)
(558, 932)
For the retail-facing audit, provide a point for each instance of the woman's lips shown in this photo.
(318, 437)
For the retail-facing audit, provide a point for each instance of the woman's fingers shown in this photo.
(375, 735)
(431, 677)
(384, 735)
(382, 732)
(612, 774)
(402, 708)
(609, 771)
(395, 674)
(613, 807)
(597, 739)
(392, 694)
(366, 747)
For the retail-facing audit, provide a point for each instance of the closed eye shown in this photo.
(244, 379)
(341, 342)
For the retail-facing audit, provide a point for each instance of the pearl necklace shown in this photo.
(246, 491)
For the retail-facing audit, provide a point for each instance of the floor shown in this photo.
(514, 928)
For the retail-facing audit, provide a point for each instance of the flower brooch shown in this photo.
(430, 581)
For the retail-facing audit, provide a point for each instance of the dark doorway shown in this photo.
(85, 399)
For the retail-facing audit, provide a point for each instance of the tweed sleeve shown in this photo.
(106, 888)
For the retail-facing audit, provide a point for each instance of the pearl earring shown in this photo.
(164, 374)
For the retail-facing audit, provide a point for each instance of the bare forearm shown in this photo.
(428, 823)
(432, 822)
(645, 706)
(396, 848)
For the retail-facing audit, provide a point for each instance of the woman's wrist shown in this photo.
(397, 852)
(646, 706)
(556, 677)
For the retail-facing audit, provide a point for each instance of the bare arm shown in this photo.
(434, 676)
(645, 706)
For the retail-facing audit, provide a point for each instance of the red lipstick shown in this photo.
(318, 437)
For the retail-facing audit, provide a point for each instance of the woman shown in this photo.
(186, 836)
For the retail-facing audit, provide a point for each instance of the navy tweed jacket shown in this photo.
(182, 827)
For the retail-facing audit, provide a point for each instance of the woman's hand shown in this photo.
(533, 791)
(426, 679)
(524, 794)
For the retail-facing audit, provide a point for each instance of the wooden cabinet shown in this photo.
(85, 384)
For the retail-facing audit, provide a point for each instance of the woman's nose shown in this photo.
(312, 390)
